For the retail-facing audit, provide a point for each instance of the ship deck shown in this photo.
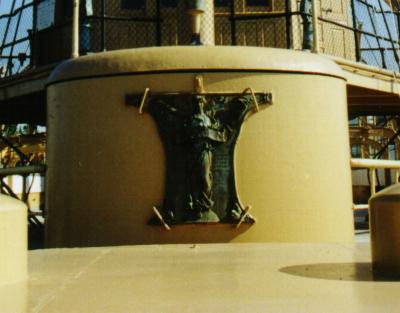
(273, 277)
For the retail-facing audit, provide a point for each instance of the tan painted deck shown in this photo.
(204, 278)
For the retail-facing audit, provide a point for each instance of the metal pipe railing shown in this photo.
(22, 170)
(368, 70)
(372, 165)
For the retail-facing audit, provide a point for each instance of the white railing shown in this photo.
(372, 165)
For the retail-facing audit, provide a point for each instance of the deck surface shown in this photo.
(203, 278)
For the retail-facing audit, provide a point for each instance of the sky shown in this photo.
(5, 6)
(368, 42)
(26, 23)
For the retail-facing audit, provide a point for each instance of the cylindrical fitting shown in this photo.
(384, 215)
(202, 20)
(196, 23)
(13, 240)
(196, 5)
(196, 9)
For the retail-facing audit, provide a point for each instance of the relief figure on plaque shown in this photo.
(202, 132)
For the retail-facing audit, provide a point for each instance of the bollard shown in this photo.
(13, 241)
(384, 215)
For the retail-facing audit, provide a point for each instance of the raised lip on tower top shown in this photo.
(193, 59)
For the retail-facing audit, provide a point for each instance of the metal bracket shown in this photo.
(245, 215)
(146, 92)
(136, 100)
(199, 84)
(254, 97)
(159, 216)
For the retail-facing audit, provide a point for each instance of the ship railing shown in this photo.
(23, 171)
(372, 165)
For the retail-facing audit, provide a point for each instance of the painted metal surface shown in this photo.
(111, 180)
(13, 241)
(384, 215)
(303, 278)
(175, 59)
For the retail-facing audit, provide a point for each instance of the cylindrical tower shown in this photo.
(108, 165)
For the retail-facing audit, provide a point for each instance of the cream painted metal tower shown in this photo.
(108, 170)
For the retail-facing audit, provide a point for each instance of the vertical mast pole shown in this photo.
(75, 29)
(316, 48)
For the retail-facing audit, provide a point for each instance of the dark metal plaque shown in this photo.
(199, 133)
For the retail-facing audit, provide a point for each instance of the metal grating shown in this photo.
(38, 32)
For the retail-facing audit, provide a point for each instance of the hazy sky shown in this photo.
(5, 5)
